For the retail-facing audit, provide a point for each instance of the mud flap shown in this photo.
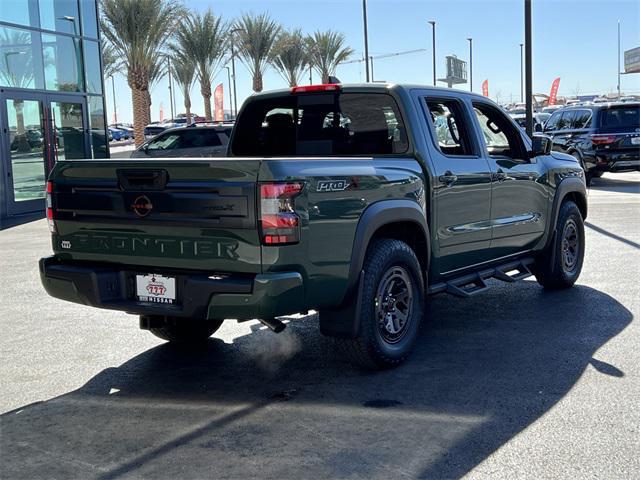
(345, 321)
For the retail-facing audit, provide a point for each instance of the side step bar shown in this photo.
(474, 283)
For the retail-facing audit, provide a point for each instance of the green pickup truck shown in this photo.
(357, 201)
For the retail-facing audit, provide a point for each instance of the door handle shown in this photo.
(448, 178)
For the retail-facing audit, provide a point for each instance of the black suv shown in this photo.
(604, 137)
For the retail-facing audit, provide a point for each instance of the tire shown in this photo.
(186, 330)
(559, 266)
(597, 173)
(391, 307)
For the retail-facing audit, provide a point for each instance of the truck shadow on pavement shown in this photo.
(269, 406)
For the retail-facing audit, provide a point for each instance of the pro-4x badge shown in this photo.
(332, 185)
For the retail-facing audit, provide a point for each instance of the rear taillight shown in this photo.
(280, 224)
(50, 213)
(603, 139)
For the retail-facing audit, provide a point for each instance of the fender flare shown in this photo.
(344, 321)
(564, 188)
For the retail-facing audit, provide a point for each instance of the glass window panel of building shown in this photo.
(62, 63)
(93, 72)
(60, 16)
(22, 12)
(89, 18)
(20, 58)
(98, 128)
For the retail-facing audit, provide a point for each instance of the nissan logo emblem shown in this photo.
(142, 206)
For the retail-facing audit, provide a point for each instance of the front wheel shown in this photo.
(391, 306)
(559, 266)
(186, 330)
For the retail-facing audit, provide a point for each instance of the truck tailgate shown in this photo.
(178, 213)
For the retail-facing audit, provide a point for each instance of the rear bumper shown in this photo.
(199, 296)
(618, 162)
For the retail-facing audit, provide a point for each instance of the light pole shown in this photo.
(618, 59)
(366, 39)
(233, 72)
(229, 83)
(371, 60)
(528, 67)
(170, 88)
(521, 72)
(433, 42)
(470, 64)
(113, 93)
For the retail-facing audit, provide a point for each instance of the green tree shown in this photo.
(138, 30)
(256, 37)
(202, 40)
(290, 56)
(327, 50)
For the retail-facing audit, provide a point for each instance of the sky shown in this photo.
(575, 40)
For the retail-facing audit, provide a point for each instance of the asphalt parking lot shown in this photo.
(516, 382)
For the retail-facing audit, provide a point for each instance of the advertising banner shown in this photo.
(218, 103)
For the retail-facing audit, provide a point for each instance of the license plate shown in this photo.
(156, 289)
(635, 141)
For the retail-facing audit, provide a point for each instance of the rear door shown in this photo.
(461, 210)
(187, 214)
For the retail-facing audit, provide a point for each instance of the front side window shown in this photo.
(500, 135)
(451, 134)
(332, 123)
(552, 123)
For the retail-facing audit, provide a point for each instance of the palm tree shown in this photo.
(202, 39)
(184, 75)
(290, 56)
(138, 31)
(327, 50)
(111, 63)
(256, 37)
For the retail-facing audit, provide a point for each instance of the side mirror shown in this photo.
(540, 145)
(537, 127)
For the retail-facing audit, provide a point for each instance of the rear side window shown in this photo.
(320, 124)
(581, 119)
(622, 117)
(451, 135)
(566, 121)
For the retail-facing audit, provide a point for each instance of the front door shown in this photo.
(37, 131)
(519, 200)
(461, 209)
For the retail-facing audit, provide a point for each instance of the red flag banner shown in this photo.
(218, 103)
(161, 112)
(485, 88)
(554, 91)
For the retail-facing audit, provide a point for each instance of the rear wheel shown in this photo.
(186, 330)
(391, 306)
(559, 266)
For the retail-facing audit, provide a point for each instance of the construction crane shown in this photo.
(386, 55)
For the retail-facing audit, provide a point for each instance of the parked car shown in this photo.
(116, 134)
(410, 211)
(128, 130)
(193, 141)
(539, 119)
(604, 137)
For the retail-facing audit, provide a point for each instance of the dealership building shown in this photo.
(51, 97)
